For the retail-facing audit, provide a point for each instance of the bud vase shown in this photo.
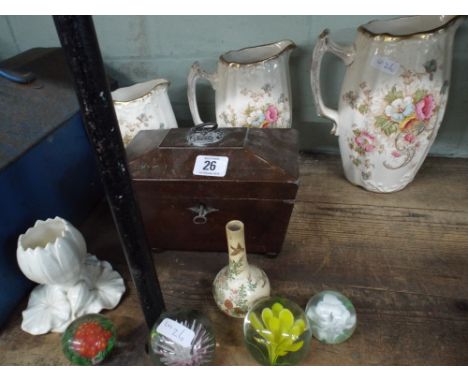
(238, 285)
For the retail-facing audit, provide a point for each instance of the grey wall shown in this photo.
(139, 48)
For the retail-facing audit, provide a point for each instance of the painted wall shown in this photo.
(139, 48)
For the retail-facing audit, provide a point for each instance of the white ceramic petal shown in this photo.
(61, 328)
(48, 309)
(91, 269)
(80, 297)
(110, 287)
(107, 284)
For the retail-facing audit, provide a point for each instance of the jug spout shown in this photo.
(258, 54)
(284, 45)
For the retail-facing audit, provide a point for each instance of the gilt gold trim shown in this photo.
(423, 35)
(235, 64)
(159, 82)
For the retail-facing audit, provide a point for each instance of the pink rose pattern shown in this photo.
(425, 108)
(362, 143)
(269, 117)
(410, 138)
(271, 114)
(365, 142)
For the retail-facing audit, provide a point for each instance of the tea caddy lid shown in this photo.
(265, 159)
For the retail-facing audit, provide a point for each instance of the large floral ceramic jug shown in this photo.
(252, 87)
(392, 99)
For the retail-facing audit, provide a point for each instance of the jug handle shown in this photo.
(346, 53)
(195, 73)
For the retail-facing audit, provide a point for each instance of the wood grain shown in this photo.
(402, 259)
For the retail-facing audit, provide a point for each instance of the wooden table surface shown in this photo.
(402, 259)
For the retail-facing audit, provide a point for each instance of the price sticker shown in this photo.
(385, 64)
(176, 332)
(206, 165)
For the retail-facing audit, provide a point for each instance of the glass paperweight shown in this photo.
(276, 332)
(89, 339)
(332, 317)
(182, 338)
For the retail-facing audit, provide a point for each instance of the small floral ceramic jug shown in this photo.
(143, 106)
(252, 87)
(392, 99)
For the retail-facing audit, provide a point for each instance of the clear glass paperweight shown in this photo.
(89, 339)
(332, 317)
(276, 332)
(182, 338)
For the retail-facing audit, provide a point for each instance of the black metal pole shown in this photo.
(81, 47)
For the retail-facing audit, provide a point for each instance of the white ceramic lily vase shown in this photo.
(252, 87)
(73, 283)
(393, 96)
(143, 106)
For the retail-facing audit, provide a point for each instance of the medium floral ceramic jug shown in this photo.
(392, 99)
(252, 87)
(143, 106)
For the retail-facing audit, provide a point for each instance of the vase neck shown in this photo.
(236, 248)
(237, 260)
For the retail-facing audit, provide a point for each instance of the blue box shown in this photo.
(47, 166)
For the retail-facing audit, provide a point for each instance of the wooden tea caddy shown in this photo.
(184, 211)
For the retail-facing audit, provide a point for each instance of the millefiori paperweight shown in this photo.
(89, 339)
